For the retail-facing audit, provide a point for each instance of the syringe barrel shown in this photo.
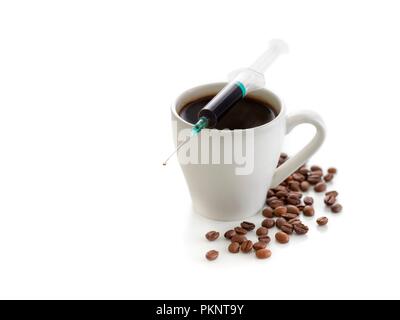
(221, 103)
(276, 48)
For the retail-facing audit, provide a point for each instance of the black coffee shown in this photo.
(247, 113)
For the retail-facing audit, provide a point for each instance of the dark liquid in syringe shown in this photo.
(245, 114)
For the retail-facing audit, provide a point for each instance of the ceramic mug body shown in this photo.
(228, 172)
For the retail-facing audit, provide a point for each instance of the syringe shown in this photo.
(241, 82)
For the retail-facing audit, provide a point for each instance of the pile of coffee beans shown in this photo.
(285, 205)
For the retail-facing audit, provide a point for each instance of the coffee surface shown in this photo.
(247, 113)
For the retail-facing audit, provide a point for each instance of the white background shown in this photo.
(88, 211)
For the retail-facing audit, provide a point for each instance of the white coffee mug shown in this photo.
(219, 190)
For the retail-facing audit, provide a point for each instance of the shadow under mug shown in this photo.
(217, 190)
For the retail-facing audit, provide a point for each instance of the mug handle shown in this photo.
(295, 162)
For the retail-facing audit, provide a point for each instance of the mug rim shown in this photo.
(281, 106)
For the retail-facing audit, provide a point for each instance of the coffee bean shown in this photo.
(330, 200)
(304, 186)
(293, 209)
(293, 199)
(328, 177)
(315, 168)
(265, 239)
(270, 193)
(313, 179)
(240, 230)
(259, 245)
(336, 208)
(212, 235)
(300, 228)
(294, 221)
(239, 238)
(279, 222)
(281, 160)
(248, 225)
(282, 194)
(308, 211)
(318, 173)
(300, 207)
(280, 188)
(294, 186)
(320, 187)
(332, 170)
(283, 155)
(276, 203)
(247, 246)
(268, 223)
(263, 253)
(212, 255)
(322, 221)
(282, 237)
(299, 195)
(308, 201)
(234, 247)
(298, 177)
(229, 234)
(304, 171)
(268, 212)
(287, 228)
(279, 211)
(289, 216)
(262, 231)
(332, 193)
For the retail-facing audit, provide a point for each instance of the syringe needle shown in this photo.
(200, 125)
(177, 149)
